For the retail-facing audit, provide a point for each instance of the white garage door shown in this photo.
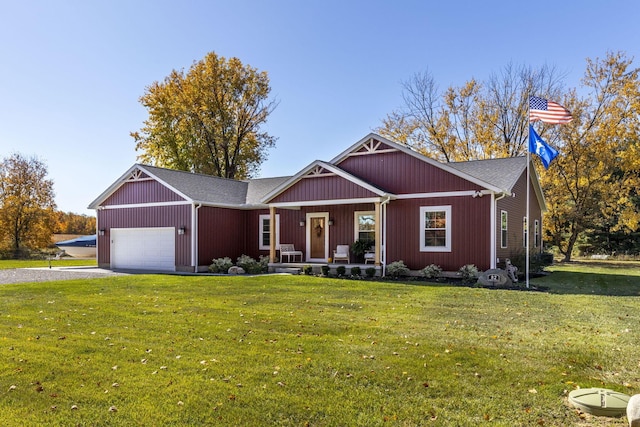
(143, 248)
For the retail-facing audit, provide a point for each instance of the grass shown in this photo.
(284, 350)
(34, 263)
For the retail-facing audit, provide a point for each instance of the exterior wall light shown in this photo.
(181, 230)
(101, 232)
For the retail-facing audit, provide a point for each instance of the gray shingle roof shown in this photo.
(502, 173)
(202, 188)
(258, 188)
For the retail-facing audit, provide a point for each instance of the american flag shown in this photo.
(547, 111)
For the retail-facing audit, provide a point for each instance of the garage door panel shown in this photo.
(143, 248)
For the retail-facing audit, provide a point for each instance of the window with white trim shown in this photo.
(536, 233)
(435, 229)
(365, 226)
(504, 228)
(265, 232)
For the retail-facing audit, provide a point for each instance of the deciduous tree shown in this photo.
(26, 203)
(474, 121)
(593, 183)
(208, 119)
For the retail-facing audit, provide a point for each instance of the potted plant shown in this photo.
(359, 247)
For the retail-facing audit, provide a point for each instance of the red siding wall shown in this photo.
(159, 216)
(323, 188)
(470, 233)
(516, 208)
(222, 233)
(141, 192)
(400, 173)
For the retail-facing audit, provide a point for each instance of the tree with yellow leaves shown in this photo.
(26, 204)
(208, 119)
(592, 183)
(475, 121)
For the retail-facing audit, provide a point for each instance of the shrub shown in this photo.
(341, 270)
(264, 263)
(325, 270)
(356, 271)
(469, 272)
(308, 270)
(431, 271)
(221, 265)
(397, 269)
(370, 272)
(249, 265)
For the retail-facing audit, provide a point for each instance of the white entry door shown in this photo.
(143, 248)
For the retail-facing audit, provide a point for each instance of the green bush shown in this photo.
(264, 263)
(469, 273)
(370, 272)
(341, 270)
(325, 270)
(356, 271)
(221, 265)
(397, 269)
(431, 271)
(249, 265)
(308, 270)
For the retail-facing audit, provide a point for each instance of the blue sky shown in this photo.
(72, 72)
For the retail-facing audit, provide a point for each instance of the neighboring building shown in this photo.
(416, 209)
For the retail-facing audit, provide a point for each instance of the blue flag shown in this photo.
(537, 146)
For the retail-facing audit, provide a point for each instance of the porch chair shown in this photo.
(341, 253)
(370, 256)
(288, 250)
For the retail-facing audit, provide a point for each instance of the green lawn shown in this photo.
(297, 350)
(35, 263)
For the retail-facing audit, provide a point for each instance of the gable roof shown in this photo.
(199, 188)
(503, 173)
(290, 181)
(408, 150)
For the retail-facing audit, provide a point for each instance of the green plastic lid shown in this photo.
(599, 401)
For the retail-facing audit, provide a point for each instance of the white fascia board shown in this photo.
(326, 202)
(405, 149)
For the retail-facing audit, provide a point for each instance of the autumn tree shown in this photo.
(478, 120)
(593, 183)
(26, 204)
(72, 223)
(208, 119)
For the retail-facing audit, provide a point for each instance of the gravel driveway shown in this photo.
(18, 275)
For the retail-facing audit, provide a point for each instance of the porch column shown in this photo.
(272, 234)
(378, 234)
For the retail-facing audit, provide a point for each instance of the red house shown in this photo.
(414, 208)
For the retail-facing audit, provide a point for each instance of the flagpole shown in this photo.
(528, 198)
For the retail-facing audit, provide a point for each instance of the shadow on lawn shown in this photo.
(590, 283)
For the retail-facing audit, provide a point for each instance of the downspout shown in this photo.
(494, 236)
(383, 206)
(194, 237)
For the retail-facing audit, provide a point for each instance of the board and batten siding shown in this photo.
(221, 233)
(145, 191)
(323, 187)
(470, 233)
(516, 208)
(399, 173)
(145, 217)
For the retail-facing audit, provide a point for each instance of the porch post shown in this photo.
(272, 234)
(378, 234)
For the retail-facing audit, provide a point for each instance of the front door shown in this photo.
(317, 236)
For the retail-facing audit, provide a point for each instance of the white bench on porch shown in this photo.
(289, 250)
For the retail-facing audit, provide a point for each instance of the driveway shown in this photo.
(43, 274)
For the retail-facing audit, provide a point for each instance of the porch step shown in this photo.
(289, 270)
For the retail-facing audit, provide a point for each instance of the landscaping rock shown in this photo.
(495, 277)
(235, 270)
(633, 411)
